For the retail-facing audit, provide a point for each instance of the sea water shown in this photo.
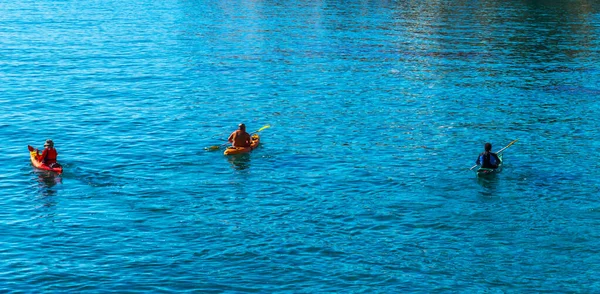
(377, 111)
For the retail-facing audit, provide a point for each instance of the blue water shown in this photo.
(377, 110)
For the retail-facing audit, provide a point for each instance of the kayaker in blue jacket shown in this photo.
(488, 159)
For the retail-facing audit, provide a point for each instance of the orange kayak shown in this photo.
(33, 154)
(254, 141)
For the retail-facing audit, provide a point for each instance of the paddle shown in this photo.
(217, 147)
(510, 144)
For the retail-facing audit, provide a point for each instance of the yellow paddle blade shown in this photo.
(510, 144)
(213, 148)
(265, 127)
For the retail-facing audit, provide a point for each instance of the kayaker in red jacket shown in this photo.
(240, 138)
(49, 154)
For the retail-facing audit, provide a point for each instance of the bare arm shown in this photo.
(249, 140)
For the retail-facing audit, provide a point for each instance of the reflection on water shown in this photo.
(489, 184)
(239, 161)
(47, 180)
(46, 188)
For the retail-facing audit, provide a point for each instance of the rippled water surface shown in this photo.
(377, 110)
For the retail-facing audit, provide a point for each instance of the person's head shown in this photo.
(242, 127)
(49, 143)
(488, 146)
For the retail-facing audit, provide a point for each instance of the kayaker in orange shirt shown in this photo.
(240, 138)
(49, 154)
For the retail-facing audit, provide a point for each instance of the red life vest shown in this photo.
(49, 156)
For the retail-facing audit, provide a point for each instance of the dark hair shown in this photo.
(242, 126)
(488, 146)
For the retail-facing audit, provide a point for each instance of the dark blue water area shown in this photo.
(362, 184)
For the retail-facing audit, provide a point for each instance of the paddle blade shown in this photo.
(510, 144)
(263, 128)
(213, 148)
(31, 149)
